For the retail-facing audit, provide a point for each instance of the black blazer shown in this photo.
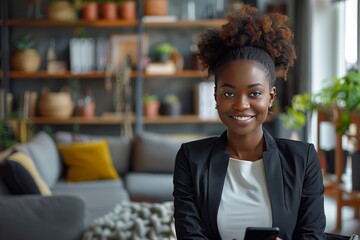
(294, 178)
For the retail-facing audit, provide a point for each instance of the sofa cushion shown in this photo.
(17, 179)
(43, 151)
(87, 161)
(29, 165)
(3, 155)
(37, 217)
(154, 153)
(151, 187)
(100, 197)
(119, 147)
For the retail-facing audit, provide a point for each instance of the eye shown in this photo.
(255, 94)
(228, 94)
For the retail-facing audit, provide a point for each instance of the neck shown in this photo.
(246, 147)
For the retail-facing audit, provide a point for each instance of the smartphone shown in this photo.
(263, 233)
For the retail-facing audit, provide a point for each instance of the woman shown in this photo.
(246, 177)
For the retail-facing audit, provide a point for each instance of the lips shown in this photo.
(243, 118)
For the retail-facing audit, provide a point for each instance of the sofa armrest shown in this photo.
(37, 217)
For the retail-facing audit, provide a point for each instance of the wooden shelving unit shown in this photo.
(133, 25)
(98, 120)
(78, 23)
(183, 119)
(107, 120)
(114, 23)
(187, 24)
(46, 75)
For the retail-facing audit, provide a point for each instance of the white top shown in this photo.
(245, 199)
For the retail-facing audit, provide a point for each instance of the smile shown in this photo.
(247, 118)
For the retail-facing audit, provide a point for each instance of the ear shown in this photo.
(272, 95)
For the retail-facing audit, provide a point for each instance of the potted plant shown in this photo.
(171, 105)
(26, 57)
(90, 10)
(156, 7)
(341, 97)
(109, 9)
(127, 10)
(151, 105)
(7, 136)
(163, 51)
(61, 10)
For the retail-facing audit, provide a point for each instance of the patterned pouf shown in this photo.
(134, 221)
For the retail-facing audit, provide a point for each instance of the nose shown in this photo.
(241, 103)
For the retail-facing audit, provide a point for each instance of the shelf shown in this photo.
(114, 23)
(183, 119)
(180, 74)
(98, 120)
(46, 75)
(204, 23)
(79, 23)
(108, 120)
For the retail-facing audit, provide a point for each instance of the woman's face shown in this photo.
(243, 97)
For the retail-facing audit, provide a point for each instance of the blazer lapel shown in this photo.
(219, 160)
(274, 177)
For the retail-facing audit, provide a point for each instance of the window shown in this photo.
(351, 34)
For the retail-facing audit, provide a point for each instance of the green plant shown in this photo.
(164, 49)
(7, 137)
(171, 99)
(25, 42)
(150, 98)
(342, 95)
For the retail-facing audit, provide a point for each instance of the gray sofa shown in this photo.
(144, 164)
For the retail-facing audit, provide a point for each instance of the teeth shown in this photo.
(242, 118)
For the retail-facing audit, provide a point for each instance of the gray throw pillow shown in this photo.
(154, 153)
(43, 151)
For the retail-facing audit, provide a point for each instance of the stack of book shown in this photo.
(88, 54)
(6, 102)
(204, 100)
(27, 104)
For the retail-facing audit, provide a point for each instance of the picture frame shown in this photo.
(122, 45)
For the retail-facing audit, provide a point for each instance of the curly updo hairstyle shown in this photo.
(266, 40)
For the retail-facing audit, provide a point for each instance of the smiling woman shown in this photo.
(245, 177)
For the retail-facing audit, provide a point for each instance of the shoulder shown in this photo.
(288, 144)
(298, 152)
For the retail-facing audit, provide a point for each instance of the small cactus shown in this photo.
(25, 42)
(171, 98)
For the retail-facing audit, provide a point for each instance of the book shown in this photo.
(102, 46)
(204, 100)
(154, 19)
(161, 68)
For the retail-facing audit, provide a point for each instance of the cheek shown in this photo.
(263, 105)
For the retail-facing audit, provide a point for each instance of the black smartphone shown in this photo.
(263, 233)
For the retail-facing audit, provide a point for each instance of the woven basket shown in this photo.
(56, 105)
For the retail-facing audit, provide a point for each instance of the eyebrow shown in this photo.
(250, 86)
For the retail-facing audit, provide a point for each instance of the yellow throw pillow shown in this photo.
(29, 165)
(87, 161)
